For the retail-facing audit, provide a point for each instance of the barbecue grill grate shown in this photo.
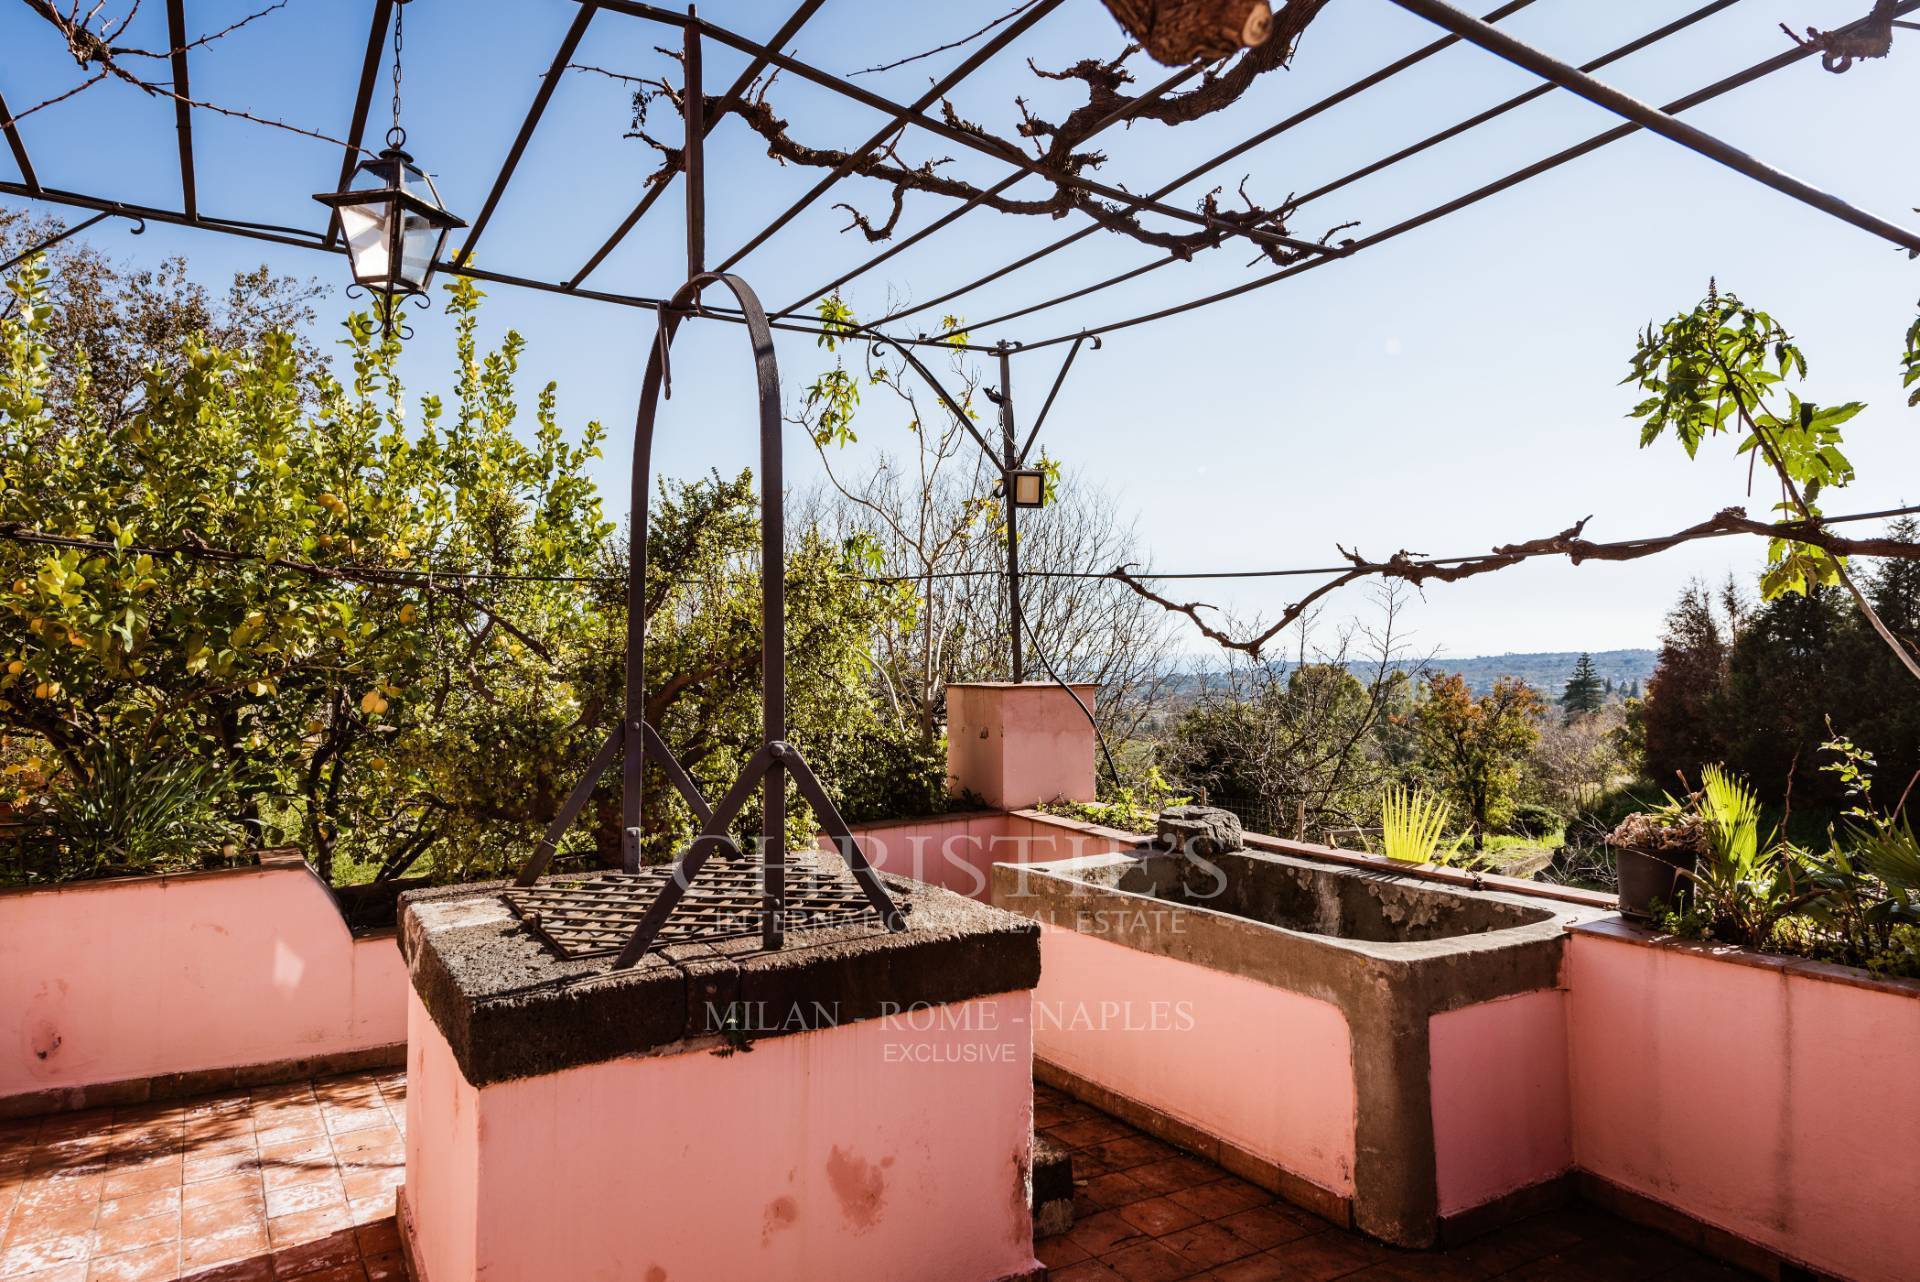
(590, 916)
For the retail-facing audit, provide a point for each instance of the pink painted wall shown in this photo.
(1501, 1114)
(110, 981)
(443, 1154)
(1019, 745)
(889, 1148)
(958, 852)
(1763, 1099)
(1267, 1070)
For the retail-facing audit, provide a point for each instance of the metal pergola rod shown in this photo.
(972, 141)
(541, 97)
(182, 113)
(1653, 119)
(1272, 131)
(362, 103)
(1413, 149)
(302, 238)
(788, 30)
(1738, 79)
(17, 147)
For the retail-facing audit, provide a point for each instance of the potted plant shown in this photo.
(1655, 851)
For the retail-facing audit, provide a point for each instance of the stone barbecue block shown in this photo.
(857, 1104)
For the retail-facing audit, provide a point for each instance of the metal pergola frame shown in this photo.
(634, 741)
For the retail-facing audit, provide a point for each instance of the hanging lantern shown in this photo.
(395, 227)
(1027, 487)
(391, 215)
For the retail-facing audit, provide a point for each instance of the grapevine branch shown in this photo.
(1872, 37)
(1410, 567)
(98, 50)
(1057, 146)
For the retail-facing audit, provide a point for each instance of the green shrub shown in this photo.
(122, 809)
(1531, 819)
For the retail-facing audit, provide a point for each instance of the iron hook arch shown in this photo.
(635, 738)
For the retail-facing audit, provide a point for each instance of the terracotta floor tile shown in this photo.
(257, 1268)
(354, 1272)
(72, 1272)
(1101, 1233)
(1058, 1252)
(287, 1130)
(345, 1121)
(157, 1263)
(220, 1217)
(370, 1210)
(227, 1189)
(1133, 1151)
(1265, 1226)
(325, 1193)
(1147, 1262)
(386, 1268)
(1088, 1132)
(1205, 1246)
(1326, 1255)
(235, 1242)
(1221, 1197)
(378, 1237)
(39, 1223)
(140, 1206)
(1253, 1268)
(1085, 1271)
(366, 1184)
(331, 1251)
(1175, 1173)
(1112, 1190)
(162, 1174)
(1157, 1216)
(309, 1226)
(129, 1234)
(44, 1254)
(201, 1168)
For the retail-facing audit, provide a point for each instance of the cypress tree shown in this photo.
(1583, 692)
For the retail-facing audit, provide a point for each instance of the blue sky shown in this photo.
(1444, 392)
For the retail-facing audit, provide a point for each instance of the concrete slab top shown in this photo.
(510, 1007)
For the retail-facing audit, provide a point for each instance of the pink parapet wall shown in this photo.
(1017, 745)
(1771, 1098)
(957, 852)
(890, 1148)
(137, 978)
(1267, 1070)
(1501, 1116)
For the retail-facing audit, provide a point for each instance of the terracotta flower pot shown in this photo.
(1649, 879)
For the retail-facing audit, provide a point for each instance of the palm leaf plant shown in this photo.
(1412, 824)
(1744, 885)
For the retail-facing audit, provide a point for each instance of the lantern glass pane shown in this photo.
(366, 228)
(419, 238)
(1027, 489)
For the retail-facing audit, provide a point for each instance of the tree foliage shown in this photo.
(385, 627)
(1474, 747)
(1756, 687)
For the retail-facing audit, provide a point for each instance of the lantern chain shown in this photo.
(396, 136)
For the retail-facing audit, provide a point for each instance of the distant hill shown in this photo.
(1546, 671)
